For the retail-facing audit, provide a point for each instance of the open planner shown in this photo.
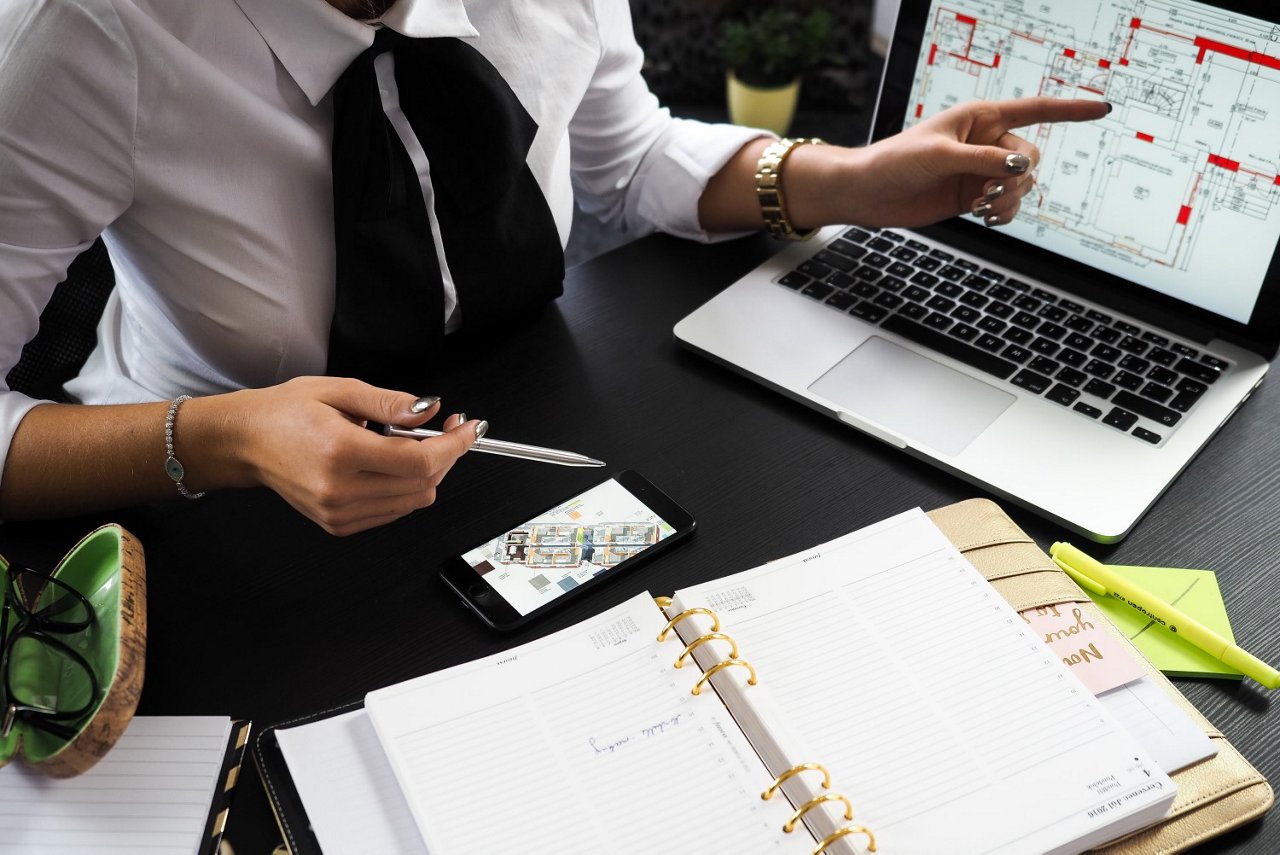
(877, 688)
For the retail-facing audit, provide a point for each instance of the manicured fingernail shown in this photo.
(981, 208)
(1017, 163)
(482, 427)
(993, 220)
(423, 404)
(1110, 106)
(995, 191)
(462, 417)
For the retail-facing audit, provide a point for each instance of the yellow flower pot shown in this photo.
(771, 109)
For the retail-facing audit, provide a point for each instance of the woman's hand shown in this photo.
(306, 439)
(964, 160)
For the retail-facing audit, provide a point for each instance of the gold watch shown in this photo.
(773, 205)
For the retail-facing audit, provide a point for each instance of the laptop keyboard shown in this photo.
(1127, 377)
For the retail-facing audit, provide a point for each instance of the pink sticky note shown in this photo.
(1091, 653)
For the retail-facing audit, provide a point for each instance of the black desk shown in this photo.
(255, 612)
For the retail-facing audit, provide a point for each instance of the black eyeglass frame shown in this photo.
(38, 626)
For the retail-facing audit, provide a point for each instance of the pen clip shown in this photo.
(1086, 582)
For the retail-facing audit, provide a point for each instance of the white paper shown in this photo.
(151, 793)
(346, 785)
(1159, 724)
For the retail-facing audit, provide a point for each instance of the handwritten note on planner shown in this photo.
(151, 793)
(1092, 654)
(584, 741)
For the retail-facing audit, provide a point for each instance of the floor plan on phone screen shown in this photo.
(568, 545)
(1185, 171)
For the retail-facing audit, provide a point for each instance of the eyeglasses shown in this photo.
(44, 682)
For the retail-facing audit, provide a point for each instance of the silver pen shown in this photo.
(507, 449)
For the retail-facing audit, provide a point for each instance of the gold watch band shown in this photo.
(773, 205)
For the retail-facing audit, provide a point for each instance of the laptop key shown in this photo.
(893, 236)
(865, 290)
(794, 280)
(869, 312)
(1133, 345)
(1091, 412)
(1143, 433)
(966, 264)
(1018, 335)
(817, 290)
(1043, 365)
(814, 269)
(1030, 381)
(924, 280)
(940, 303)
(902, 253)
(927, 262)
(1018, 354)
(975, 282)
(842, 300)
(1148, 409)
(938, 321)
(880, 244)
(1002, 292)
(918, 246)
(915, 311)
(991, 324)
(1126, 327)
(1163, 376)
(952, 273)
(1099, 388)
(1027, 304)
(915, 292)
(1056, 314)
(1120, 419)
(893, 283)
(1098, 368)
(1076, 341)
(1041, 294)
(867, 274)
(1156, 338)
(877, 260)
(1078, 323)
(841, 280)
(900, 269)
(1183, 401)
(1044, 346)
(1156, 392)
(1071, 377)
(964, 332)
(949, 289)
(1063, 395)
(857, 235)
(966, 314)
(1098, 317)
(1071, 306)
(1048, 329)
(1105, 352)
(1000, 310)
(848, 248)
(1127, 380)
(1214, 362)
(993, 275)
(1026, 320)
(1198, 371)
(941, 255)
(833, 259)
(973, 298)
(1183, 350)
(990, 342)
(948, 346)
(1073, 358)
(888, 300)
(1135, 364)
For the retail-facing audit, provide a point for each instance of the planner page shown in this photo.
(948, 722)
(586, 741)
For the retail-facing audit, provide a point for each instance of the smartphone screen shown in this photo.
(565, 549)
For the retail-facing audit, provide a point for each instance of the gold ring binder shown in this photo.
(796, 770)
(715, 621)
(703, 639)
(845, 832)
(813, 803)
(720, 666)
(662, 602)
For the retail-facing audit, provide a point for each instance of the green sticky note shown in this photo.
(1194, 592)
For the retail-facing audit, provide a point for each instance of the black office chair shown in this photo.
(68, 327)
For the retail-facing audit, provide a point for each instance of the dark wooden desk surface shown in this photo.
(254, 612)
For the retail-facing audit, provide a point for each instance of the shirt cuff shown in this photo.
(672, 178)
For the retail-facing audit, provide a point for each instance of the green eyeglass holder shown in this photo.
(108, 568)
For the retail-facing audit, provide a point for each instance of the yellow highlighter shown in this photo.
(1100, 579)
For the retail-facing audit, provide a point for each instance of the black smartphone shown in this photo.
(566, 551)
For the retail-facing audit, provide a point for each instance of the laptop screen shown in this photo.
(1178, 188)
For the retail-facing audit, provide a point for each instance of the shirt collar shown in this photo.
(315, 42)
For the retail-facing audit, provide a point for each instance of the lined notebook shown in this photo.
(162, 790)
(881, 664)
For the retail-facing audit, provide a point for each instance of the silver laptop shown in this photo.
(1075, 360)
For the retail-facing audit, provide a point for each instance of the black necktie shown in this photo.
(501, 243)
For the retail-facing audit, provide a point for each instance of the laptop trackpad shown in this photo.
(924, 402)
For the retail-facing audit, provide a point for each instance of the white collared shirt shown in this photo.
(195, 137)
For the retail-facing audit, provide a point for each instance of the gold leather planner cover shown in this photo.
(1214, 795)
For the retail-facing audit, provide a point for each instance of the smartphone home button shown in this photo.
(479, 592)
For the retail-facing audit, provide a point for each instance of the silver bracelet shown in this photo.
(172, 466)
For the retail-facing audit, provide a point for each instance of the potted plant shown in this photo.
(767, 48)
